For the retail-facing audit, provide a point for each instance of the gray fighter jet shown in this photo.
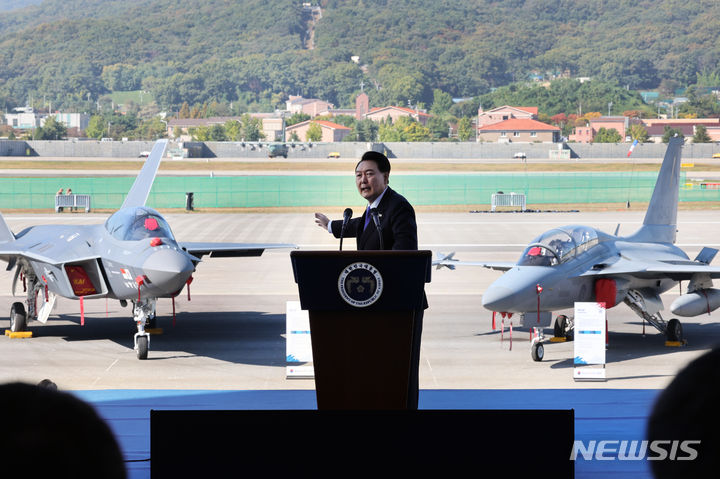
(132, 257)
(579, 264)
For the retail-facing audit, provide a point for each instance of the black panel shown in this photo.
(454, 443)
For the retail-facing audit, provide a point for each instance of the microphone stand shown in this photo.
(347, 214)
(376, 219)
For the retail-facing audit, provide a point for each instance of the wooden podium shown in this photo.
(362, 307)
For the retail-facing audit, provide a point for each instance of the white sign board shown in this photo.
(590, 331)
(298, 346)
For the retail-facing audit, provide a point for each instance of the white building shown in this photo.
(24, 119)
(72, 120)
(27, 119)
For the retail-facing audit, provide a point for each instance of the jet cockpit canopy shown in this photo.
(132, 224)
(559, 245)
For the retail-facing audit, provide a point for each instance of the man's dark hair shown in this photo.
(380, 160)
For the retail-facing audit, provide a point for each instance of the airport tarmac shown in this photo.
(230, 334)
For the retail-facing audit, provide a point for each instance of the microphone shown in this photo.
(376, 220)
(347, 214)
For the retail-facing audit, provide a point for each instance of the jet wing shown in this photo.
(226, 250)
(447, 261)
(50, 254)
(496, 265)
(677, 270)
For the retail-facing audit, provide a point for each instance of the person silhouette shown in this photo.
(685, 416)
(49, 433)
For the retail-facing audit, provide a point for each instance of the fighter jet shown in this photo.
(578, 263)
(132, 257)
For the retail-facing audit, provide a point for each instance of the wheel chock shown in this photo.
(558, 339)
(18, 334)
(154, 330)
(676, 344)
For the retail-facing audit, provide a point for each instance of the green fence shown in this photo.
(315, 190)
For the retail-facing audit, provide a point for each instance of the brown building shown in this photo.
(331, 132)
(362, 106)
(503, 113)
(309, 106)
(654, 126)
(519, 131)
(395, 112)
(271, 125)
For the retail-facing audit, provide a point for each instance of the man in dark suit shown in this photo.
(399, 232)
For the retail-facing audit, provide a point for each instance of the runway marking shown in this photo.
(106, 370)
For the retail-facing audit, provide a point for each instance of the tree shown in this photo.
(442, 102)
(388, 132)
(366, 130)
(638, 132)
(314, 132)
(234, 130)
(96, 127)
(217, 133)
(465, 129)
(438, 127)
(251, 128)
(297, 117)
(607, 135)
(670, 133)
(416, 132)
(51, 130)
(152, 129)
(184, 111)
(701, 135)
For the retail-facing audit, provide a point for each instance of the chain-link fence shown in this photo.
(317, 190)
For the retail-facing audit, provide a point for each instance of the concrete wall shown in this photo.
(427, 150)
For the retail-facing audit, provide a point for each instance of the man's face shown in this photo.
(370, 182)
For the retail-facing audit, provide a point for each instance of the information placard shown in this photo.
(590, 341)
(298, 345)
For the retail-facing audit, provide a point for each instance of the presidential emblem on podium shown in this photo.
(360, 284)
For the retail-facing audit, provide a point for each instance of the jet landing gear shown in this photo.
(564, 327)
(18, 318)
(562, 331)
(537, 350)
(673, 331)
(143, 312)
(672, 328)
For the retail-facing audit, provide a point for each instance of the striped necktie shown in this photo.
(367, 217)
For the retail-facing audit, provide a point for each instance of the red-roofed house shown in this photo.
(331, 132)
(656, 127)
(519, 130)
(395, 112)
(503, 113)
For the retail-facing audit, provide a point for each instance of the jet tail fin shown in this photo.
(138, 194)
(6, 233)
(660, 224)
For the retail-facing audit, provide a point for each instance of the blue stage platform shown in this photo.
(600, 414)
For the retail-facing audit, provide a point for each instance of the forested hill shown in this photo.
(247, 51)
(6, 5)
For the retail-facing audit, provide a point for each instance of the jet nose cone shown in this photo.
(168, 270)
(498, 298)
